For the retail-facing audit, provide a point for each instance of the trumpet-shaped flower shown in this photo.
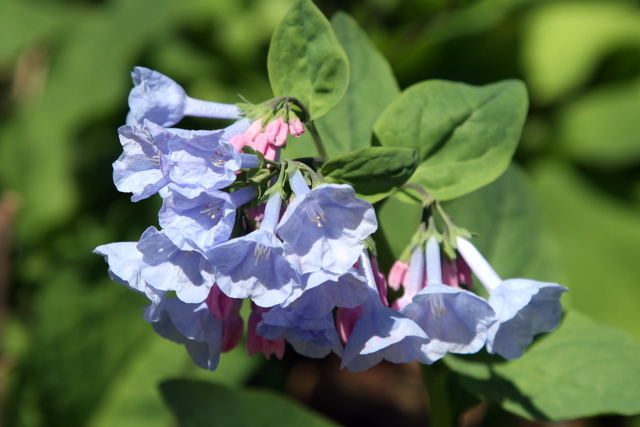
(346, 290)
(254, 266)
(167, 268)
(193, 326)
(125, 263)
(323, 228)
(200, 160)
(157, 98)
(381, 333)
(139, 170)
(524, 308)
(202, 222)
(319, 334)
(455, 320)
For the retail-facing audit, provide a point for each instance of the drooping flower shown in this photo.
(398, 274)
(227, 311)
(315, 301)
(258, 344)
(125, 264)
(202, 222)
(524, 308)
(323, 228)
(151, 152)
(254, 266)
(167, 268)
(381, 333)
(200, 160)
(157, 98)
(455, 320)
(315, 337)
(139, 170)
(194, 326)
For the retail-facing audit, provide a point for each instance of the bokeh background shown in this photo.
(74, 349)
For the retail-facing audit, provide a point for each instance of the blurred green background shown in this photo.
(74, 348)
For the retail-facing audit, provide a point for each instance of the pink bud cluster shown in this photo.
(268, 139)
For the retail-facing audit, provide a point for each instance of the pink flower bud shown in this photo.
(232, 328)
(273, 129)
(281, 137)
(260, 143)
(255, 343)
(464, 272)
(381, 281)
(295, 127)
(450, 273)
(346, 319)
(254, 130)
(240, 141)
(256, 213)
(220, 305)
(398, 274)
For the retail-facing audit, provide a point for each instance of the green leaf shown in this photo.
(602, 127)
(510, 232)
(558, 61)
(580, 370)
(466, 135)
(306, 60)
(505, 220)
(200, 404)
(372, 87)
(374, 172)
(133, 398)
(599, 242)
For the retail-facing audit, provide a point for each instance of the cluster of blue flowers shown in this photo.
(238, 223)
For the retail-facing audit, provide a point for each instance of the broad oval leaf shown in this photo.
(201, 404)
(374, 172)
(509, 231)
(306, 59)
(580, 370)
(466, 135)
(372, 87)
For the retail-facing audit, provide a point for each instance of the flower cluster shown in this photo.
(237, 223)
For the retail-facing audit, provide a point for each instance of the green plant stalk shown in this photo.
(436, 378)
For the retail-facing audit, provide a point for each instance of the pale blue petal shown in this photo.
(253, 266)
(524, 309)
(455, 320)
(324, 228)
(169, 269)
(382, 333)
(194, 326)
(125, 264)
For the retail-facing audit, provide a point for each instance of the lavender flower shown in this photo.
(524, 308)
(323, 228)
(455, 320)
(160, 100)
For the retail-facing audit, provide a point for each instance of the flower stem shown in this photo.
(436, 378)
(322, 152)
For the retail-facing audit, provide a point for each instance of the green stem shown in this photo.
(427, 200)
(322, 152)
(317, 140)
(441, 412)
